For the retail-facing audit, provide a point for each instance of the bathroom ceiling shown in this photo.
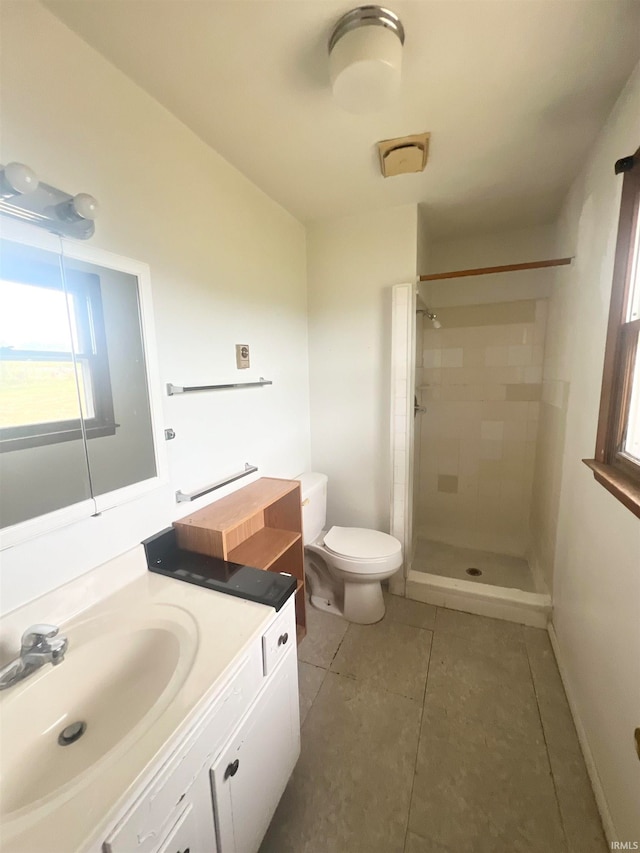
(513, 93)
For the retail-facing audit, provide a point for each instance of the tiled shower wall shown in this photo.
(481, 384)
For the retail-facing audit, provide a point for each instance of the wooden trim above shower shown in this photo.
(531, 265)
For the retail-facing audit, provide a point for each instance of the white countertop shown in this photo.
(76, 817)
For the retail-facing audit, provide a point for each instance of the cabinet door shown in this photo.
(278, 638)
(182, 837)
(251, 774)
(193, 832)
(175, 814)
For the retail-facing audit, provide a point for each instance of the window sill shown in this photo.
(619, 484)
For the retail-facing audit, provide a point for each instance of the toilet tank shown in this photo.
(314, 504)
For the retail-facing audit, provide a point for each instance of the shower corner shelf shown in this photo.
(259, 525)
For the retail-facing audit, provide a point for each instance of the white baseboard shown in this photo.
(596, 784)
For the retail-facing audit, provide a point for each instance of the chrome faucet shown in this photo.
(36, 650)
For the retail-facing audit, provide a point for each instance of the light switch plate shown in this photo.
(242, 356)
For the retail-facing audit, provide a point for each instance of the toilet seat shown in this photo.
(359, 543)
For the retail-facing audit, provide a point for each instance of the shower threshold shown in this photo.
(483, 599)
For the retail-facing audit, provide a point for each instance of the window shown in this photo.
(53, 356)
(617, 458)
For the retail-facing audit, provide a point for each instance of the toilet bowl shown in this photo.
(344, 566)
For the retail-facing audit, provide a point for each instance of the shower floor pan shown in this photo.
(486, 567)
(479, 582)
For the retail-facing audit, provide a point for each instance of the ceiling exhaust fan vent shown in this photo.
(403, 155)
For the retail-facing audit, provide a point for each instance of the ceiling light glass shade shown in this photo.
(365, 59)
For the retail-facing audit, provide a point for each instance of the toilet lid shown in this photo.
(360, 543)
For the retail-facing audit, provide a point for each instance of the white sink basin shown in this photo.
(118, 676)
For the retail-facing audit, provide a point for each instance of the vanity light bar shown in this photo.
(24, 197)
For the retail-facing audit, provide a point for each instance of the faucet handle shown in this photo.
(37, 633)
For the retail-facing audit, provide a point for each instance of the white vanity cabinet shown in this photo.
(218, 790)
(250, 775)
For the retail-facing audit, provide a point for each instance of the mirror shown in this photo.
(77, 420)
(43, 463)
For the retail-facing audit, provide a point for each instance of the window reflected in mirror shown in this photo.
(125, 455)
(54, 356)
(40, 471)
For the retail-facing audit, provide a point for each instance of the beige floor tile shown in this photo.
(351, 788)
(536, 638)
(325, 632)
(483, 782)
(493, 635)
(417, 844)
(580, 816)
(310, 680)
(409, 612)
(557, 720)
(388, 655)
(496, 690)
(480, 788)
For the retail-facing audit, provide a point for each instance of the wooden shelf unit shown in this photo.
(259, 525)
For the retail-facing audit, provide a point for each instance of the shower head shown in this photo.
(433, 317)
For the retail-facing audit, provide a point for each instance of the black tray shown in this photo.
(165, 558)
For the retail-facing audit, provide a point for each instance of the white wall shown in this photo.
(510, 246)
(597, 556)
(423, 241)
(352, 264)
(228, 266)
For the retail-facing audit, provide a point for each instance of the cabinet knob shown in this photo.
(282, 639)
(232, 769)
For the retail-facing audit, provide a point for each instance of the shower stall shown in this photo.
(475, 354)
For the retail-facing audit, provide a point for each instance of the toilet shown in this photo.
(344, 566)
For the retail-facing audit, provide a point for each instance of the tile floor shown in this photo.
(450, 561)
(433, 731)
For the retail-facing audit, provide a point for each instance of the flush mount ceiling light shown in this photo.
(365, 58)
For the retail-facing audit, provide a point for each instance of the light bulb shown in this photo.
(18, 179)
(85, 206)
